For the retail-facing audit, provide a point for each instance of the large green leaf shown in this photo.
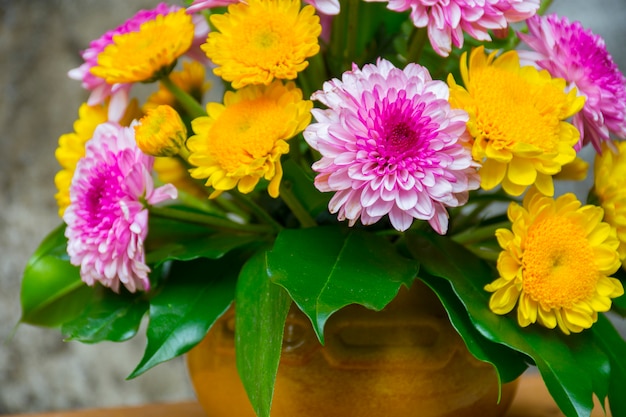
(110, 316)
(615, 347)
(572, 372)
(509, 363)
(326, 268)
(195, 295)
(261, 311)
(212, 246)
(52, 291)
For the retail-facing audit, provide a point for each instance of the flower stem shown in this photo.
(296, 207)
(228, 203)
(257, 210)
(417, 41)
(207, 220)
(190, 104)
(314, 76)
(545, 4)
(479, 234)
(349, 53)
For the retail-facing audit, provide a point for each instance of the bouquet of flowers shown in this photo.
(357, 146)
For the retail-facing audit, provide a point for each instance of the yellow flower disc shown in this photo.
(260, 40)
(556, 264)
(145, 54)
(241, 141)
(517, 120)
(609, 188)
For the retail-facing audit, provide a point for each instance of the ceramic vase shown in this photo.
(404, 361)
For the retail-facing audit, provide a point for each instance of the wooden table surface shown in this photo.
(532, 400)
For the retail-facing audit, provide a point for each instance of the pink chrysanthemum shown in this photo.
(107, 221)
(580, 57)
(391, 144)
(328, 7)
(447, 20)
(119, 93)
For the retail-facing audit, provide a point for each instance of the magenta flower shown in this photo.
(107, 221)
(391, 144)
(447, 20)
(119, 93)
(580, 57)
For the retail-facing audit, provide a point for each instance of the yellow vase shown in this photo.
(404, 361)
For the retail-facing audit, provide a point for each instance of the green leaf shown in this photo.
(162, 231)
(615, 347)
(509, 363)
(572, 372)
(261, 311)
(212, 246)
(110, 316)
(52, 291)
(196, 294)
(325, 268)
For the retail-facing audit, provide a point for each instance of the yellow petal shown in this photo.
(545, 184)
(512, 188)
(576, 320)
(521, 172)
(503, 300)
(527, 309)
(546, 317)
(508, 266)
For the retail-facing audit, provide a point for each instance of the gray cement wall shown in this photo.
(39, 40)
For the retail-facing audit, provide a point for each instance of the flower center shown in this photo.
(401, 131)
(103, 196)
(400, 137)
(558, 265)
(266, 39)
(246, 132)
(530, 114)
(265, 46)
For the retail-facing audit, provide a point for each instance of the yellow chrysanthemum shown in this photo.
(191, 79)
(259, 40)
(161, 132)
(72, 145)
(144, 55)
(242, 140)
(556, 263)
(610, 178)
(517, 119)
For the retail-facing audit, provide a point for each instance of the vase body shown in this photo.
(406, 360)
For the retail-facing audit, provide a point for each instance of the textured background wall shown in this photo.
(39, 40)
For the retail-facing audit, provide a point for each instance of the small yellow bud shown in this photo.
(161, 132)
